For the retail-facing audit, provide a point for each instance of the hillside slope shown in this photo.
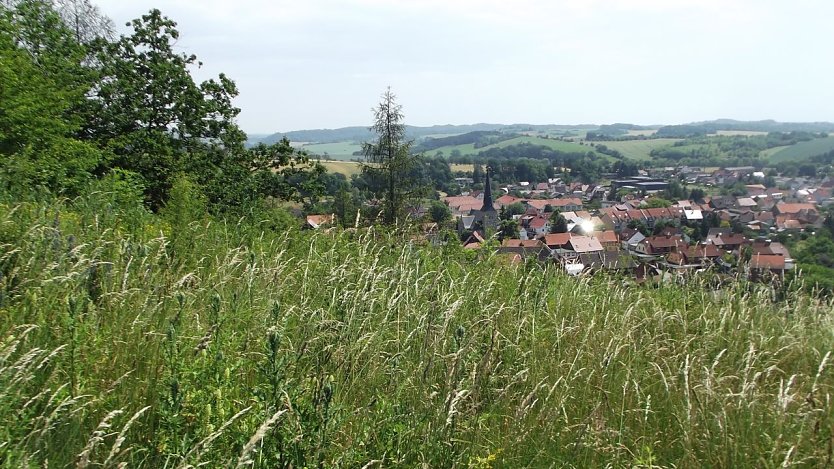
(129, 337)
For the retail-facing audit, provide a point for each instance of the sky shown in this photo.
(310, 64)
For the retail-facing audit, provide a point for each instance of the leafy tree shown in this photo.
(558, 222)
(345, 206)
(41, 82)
(477, 173)
(388, 158)
(657, 202)
(507, 229)
(148, 112)
(697, 194)
(282, 172)
(439, 212)
(515, 208)
(639, 225)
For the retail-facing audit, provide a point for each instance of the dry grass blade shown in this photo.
(245, 458)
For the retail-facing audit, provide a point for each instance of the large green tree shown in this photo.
(388, 159)
(150, 114)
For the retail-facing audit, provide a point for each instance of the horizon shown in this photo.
(321, 65)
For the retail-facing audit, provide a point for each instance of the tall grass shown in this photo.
(131, 338)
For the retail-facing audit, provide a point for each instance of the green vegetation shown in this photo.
(637, 149)
(338, 151)
(553, 144)
(180, 339)
(804, 150)
(158, 308)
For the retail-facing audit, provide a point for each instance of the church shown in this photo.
(485, 220)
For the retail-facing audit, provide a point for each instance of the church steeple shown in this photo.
(488, 205)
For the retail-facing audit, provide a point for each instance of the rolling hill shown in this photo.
(803, 150)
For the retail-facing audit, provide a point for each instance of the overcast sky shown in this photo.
(304, 64)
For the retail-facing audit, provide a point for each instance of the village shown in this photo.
(625, 226)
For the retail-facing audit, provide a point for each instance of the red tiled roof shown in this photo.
(733, 239)
(507, 199)
(661, 242)
(605, 236)
(521, 243)
(765, 261)
(795, 208)
(585, 244)
(537, 223)
(703, 251)
(557, 239)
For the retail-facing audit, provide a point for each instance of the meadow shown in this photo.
(803, 150)
(638, 149)
(560, 145)
(185, 340)
(336, 151)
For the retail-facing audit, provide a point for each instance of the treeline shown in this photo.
(710, 127)
(536, 163)
(726, 150)
(478, 139)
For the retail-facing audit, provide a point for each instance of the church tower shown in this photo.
(488, 216)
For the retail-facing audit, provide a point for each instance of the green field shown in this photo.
(804, 150)
(336, 151)
(638, 149)
(469, 149)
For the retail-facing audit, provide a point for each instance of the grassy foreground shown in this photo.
(169, 342)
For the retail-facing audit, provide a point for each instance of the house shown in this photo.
(557, 240)
(630, 238)
(701, 254)
(607, 260)
(506, 200)
(770, 248)
(661, 245)
(730, 242)
(693, 215)
(723, 203)
(794, 209)
(584, 244)
(608, 240)
(746, 203)
(764, 266)
(527, 249)
(562, 204)
(538, 225)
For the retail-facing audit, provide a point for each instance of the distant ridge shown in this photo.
(361, 134)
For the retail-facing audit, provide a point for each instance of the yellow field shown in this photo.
(467, 168)
(348, 168)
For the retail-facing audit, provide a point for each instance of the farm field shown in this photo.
(466, 168)
(469, 149)
(638, 149)
(348, 168)
(804, 150)
(336, 151)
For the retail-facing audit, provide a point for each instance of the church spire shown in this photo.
(488, 205)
